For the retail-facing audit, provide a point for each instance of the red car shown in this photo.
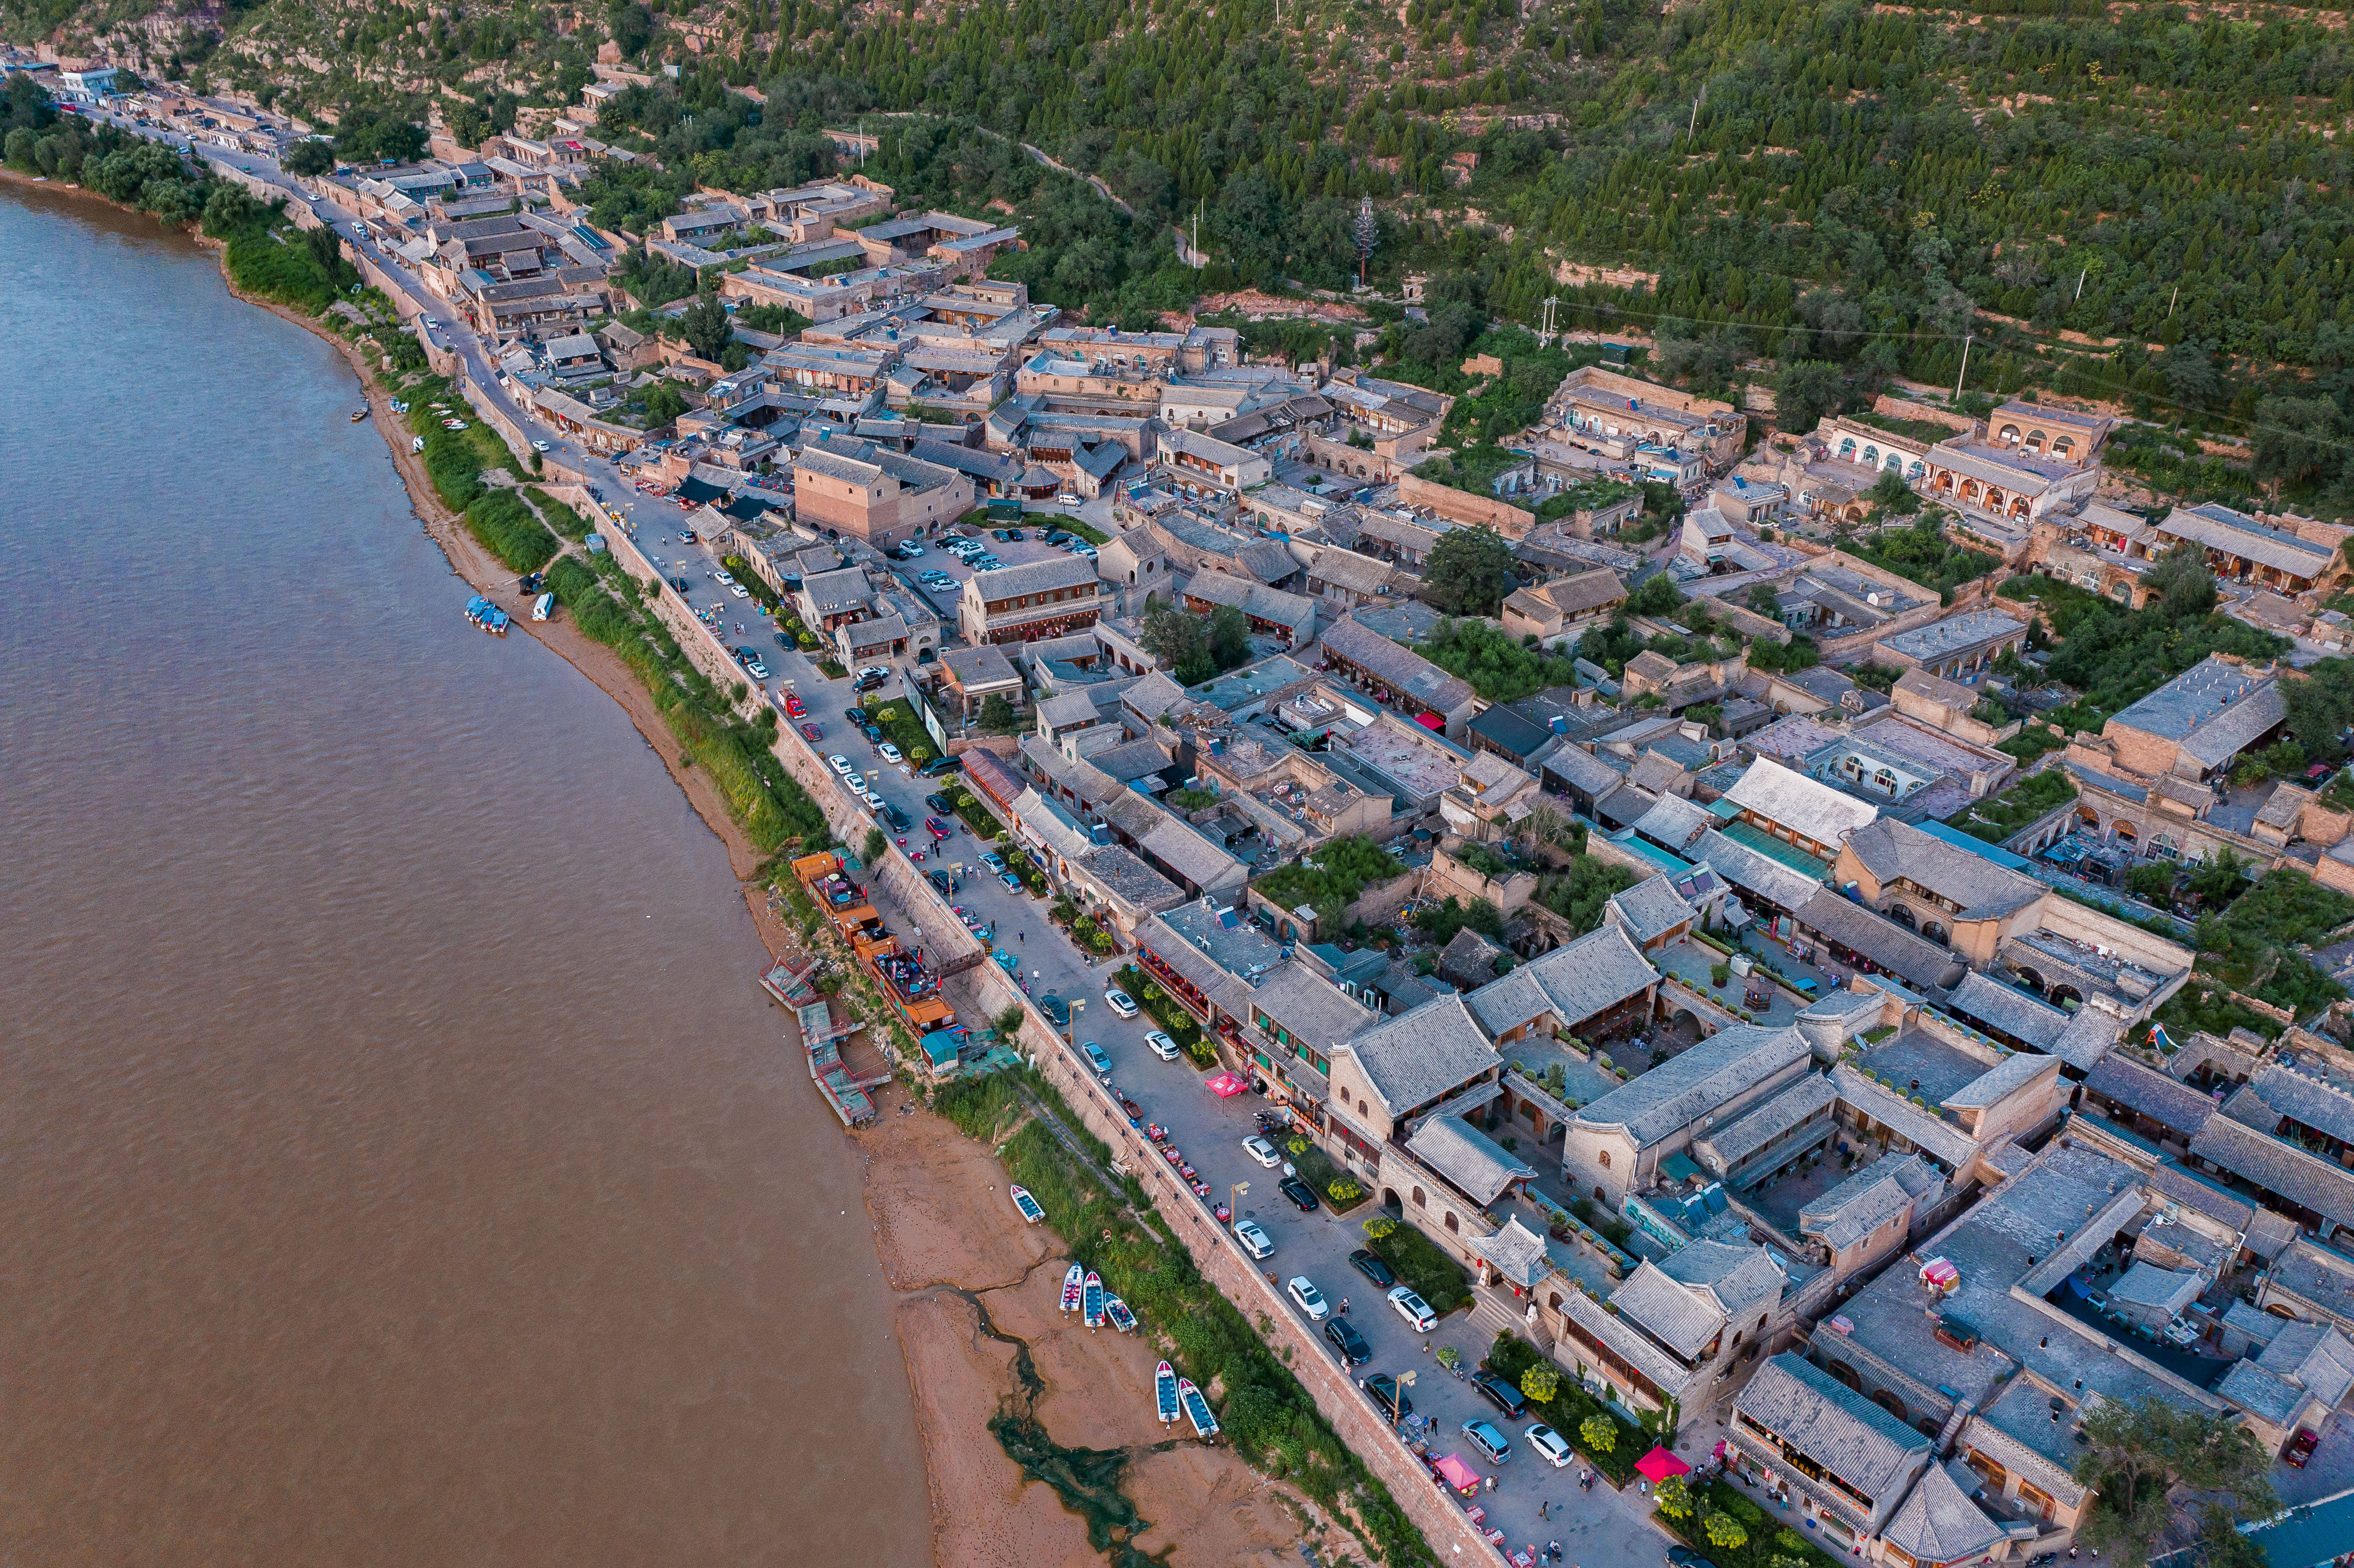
(2301, 1446)
(811, 732)
(940, 829)
(793, 706)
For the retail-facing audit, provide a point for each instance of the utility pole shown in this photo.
(1691, 129)
(1551, 302)
(2170, 299)
(2080, 280)
(1967, 338)
(1197, 235)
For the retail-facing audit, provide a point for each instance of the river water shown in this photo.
(398, 1163)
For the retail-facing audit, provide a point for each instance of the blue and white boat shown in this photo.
(1197, 1409)
(1092, 1314)
(1164, 1391)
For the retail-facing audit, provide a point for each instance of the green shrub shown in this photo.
(560, 517)
(1540, 1382)
(1599, 1433)
(507, 529)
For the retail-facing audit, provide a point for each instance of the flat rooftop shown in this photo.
(1917, 1063)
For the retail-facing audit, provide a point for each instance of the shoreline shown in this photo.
(952, 1251)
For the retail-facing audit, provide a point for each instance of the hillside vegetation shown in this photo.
(1844, 189)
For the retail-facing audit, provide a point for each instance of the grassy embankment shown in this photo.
(1269, 1417)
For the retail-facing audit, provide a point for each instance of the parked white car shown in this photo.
(1162, 1046)
(1312, 1300)
(840, 764)
(857, 783)
(888, 752)
(874, 799)
(1546, 1444)
(1255, 1240)
(1414, 1310)
(1119, 1001)
(1263, 1151)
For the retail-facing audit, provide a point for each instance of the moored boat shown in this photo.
(1164, 1391)
(1028, 1205)
(1120, 1317)
(1093, 1314)
(1197, 1409)
(1074, 1288)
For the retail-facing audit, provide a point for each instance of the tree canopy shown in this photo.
(1470, 571)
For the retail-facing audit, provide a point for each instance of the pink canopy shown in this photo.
(1457, 1474)
(1658, 1465)
(1225, 1086)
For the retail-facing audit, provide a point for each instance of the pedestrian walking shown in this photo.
(1543, 1509)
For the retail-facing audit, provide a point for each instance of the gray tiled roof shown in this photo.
(1674, 822)
(1652, 908)
(2005, 1078)
(1417, 1056)
(1868, 1200)
(1677, 1093)
(2323, 1186)
(1682, 1319)
(1574, 982)
(1724, 1147)
(1938, 1523)
(1755, 873)
(2013, 1012)
(2279, 1090)
(2160, 1289)
(1629, 1343)
(1035, 577)
(2267, 1394)
(1837, 1427)
(1153, 695)
(1310, 1008)
(2318, 1275)
(1402, 667)
(1953, 634)
(1983, 889)
(2312, 1354)
(1738, 1278)
(2127, 1083)
(1475, 1163)
(1189, 854)
(1948, 1144)
(2193, 698)
(1518, 1253)
(1880, 940)
(1115, 869)
(1582, 770)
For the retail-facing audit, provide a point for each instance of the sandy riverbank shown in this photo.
(952, 1242)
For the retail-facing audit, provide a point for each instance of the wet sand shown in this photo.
(949, 1237)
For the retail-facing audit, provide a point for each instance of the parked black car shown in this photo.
(1300, 1193)
(1501, 1394)
(1053, 1007)
(939, 803)
(1373, 1268)
(940, 765)
(1388, 1398)
(854, 715)
(785, 640)
(1345, 1338)
(900, 821)
(941, 880)
(872, 732)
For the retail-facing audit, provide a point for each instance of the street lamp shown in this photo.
(1078, 1005)
(1236, 1192)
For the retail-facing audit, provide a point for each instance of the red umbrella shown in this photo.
(1658, 1465)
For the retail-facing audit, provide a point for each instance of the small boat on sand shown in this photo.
(1117, 1312)
(1197, 1409)
(1093, 1314)
(1074, 1288)
(1028, 1205)
(1164, 1391)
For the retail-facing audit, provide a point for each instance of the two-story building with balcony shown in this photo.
(1850, 1463)
(1021, 604)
